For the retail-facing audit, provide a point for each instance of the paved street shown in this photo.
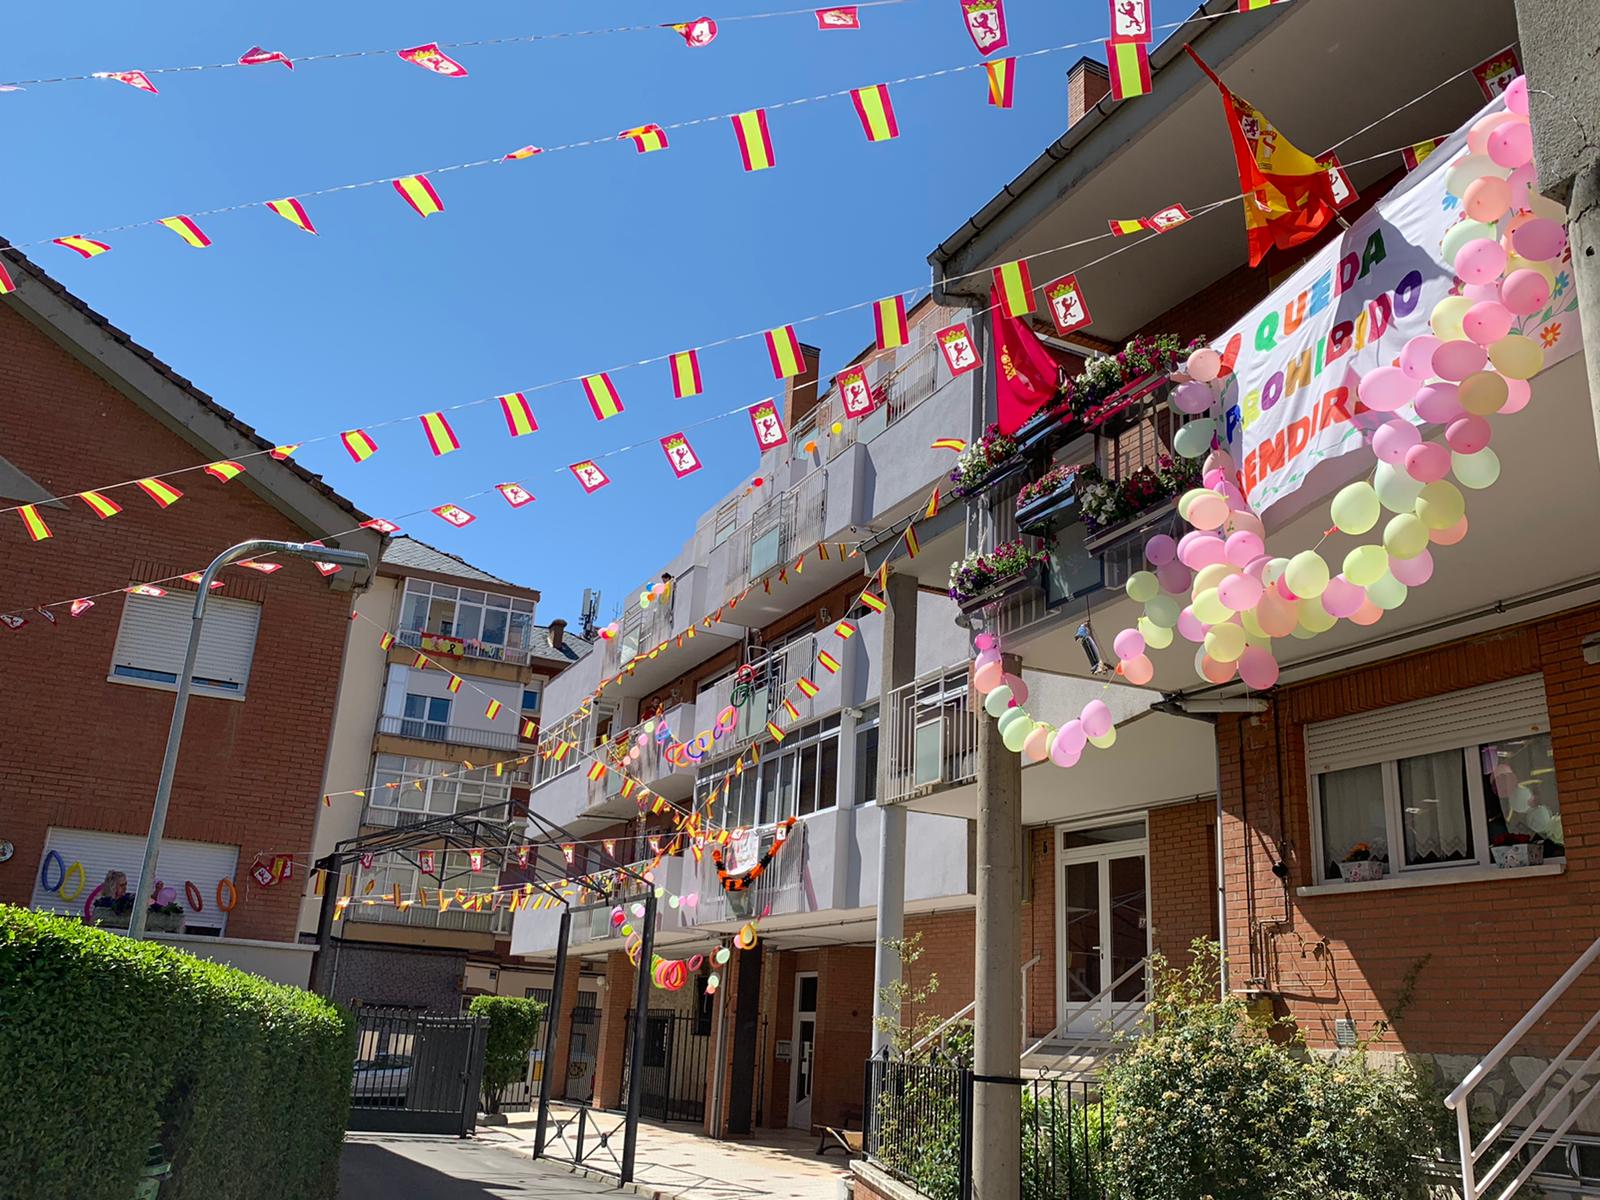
(382, 1166)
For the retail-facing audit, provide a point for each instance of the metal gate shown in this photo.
(416, 1072)
(676, 1056)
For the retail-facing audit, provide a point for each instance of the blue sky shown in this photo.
(536, 270)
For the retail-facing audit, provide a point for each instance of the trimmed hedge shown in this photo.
(514, 1024)
(108, 1046)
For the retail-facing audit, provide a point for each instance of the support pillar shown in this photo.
(562, 1006)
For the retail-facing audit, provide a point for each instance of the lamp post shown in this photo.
(169, 764)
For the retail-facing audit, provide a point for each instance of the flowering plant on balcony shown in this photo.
(1107, 502)
(978, 573)
(1083, 397)
(1047, 484)
(978, 461)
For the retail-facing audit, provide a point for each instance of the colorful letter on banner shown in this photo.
(755, 142)
(1068, 309)
(416, 191)
(161, 493)
(519, 414)
(454, 514)
(516, 495)
(37, 529)
(955, 343)
(685, 374)
(589, 475)
(224, 470)
(187, 230)
(292, 211)
(602, 395)
(829, 663)
(876, 112)
(1344, 192)
(986, 24)
(1171, 217)
(889, 322)
(645, 138)
(1413, 155)
(359, 443)
(137, 79)
(256, 57)
(441, 438)
(855, 393)
(680, 455)
(783, 348)
(87, 247)
(103, 506)
(1015, 287)
(839, 18)
(1123, 226)
(6, 286)
(768, 425)
(1130, 21)
(431, 58)
(1002, 74)
(1129, 63)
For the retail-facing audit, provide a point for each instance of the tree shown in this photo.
(514, 1025)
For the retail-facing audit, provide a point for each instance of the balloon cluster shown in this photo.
(653, 594)
(1470, 367)
(1003, 698)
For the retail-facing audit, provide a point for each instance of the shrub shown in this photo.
(1063, 1144)
(108, 1046)
(513, 1032)
(1210, 1103)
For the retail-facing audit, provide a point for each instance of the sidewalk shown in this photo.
(382, 1166)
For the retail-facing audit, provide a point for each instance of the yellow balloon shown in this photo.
(1356, 509)
(1313, 617)
(1210, 609)
(1396, 490)
(1516, 357)
(1515, 262)
(1157, 637)
(1225, 642)
(1476, 471)
(1405, 536)
(1252, 625)
(1142, 586)
(1387, 592)
(1210, 576)
(1445, 320)
(1441, 504)
(1307, 575)
(836, 428)
(1365, 564)
(1106, 740)
(1483, 393)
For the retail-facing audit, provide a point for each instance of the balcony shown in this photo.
(779, 891)
(449, 735)
(451, 646)
(931, 735)
(428, 916)
(377, 813)
(778, 531)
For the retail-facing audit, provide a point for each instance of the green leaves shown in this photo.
(514, 1025)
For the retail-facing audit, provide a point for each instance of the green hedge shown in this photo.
(109, 1045)
(514, 1024)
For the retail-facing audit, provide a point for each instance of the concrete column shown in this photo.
(1584, 232)
(997, 986)
(899, 666)
(561, 1013)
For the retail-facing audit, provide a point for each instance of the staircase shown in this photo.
(1063, 1054)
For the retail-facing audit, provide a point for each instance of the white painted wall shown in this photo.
(467, 707)
(281, 962)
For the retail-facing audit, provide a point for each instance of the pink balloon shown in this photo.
(1214, 477)
(1385, 389)
(1192, 398)
(986, 678)
(1276, 616)
(1072, 737)
(1516, 95)
(1257, 567)
(1521, 180)
(985, 657)
(1096, 718)
(1518, 393)
(986, 641)
(1190, 627)
(1174, 578)
(1413, 572)
(1416, 356)
(1511, 145)
(1284, 590)
(1257, 668)
(1487, 198)
(1367, 614)
(1220, 460)
(1467, 435)
(1243, 547)
(1243, 521)
(1341, 597)
(1394, 438)
(1137, 670)
(1487, 323)
(1428, 462)
(1480, 260)
(1478, 135)
(1449, 537)
(1128, 643)
(1240, 592)
(1062, 757)
(1525, 292)
(1203, 364)
(1214, 671)
(1438, 403)
(1019, 689)
(1160, 550)
(1477, 292)
(1540, 239)
(1205, 549)
(1458, 359)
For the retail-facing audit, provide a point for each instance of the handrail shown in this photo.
(938, 1030)
(1084, 1007)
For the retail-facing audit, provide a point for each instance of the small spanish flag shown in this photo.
(1002, 79)
(829, 663)
(386, 640)
(1413, 155)
(783, 348)
(755, 143)
(889, 322)
(873, 601)
(808, 688)
(87, 247)
(528, 729)
(1123, 227)
(956, 444)
(1129, 63)
(876, 112)
(416, 191)
(104, 506)
(602, 395)
(359, 444)
(284, 452)
(37, 529)
(933, 505)
(913, 547)
(519, 414)
(185, 228)
(627, 788)
(524, 152)
(441, 438)
(161, 493)
(292, 211)
(454, 685)
(645, 138)
(597, 771)
(1253, 5)
(685, 374)
(1015, 286)
(777, 734)
(845, 630)
(6, 286)
(788, 707)
(492, 711)
(420, 662)
(224, 470)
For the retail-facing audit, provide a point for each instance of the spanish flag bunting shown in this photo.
(602, 395)
(933, 505)
(561, 751)
(163, 494)
(597, 771)
(441, 438)
(845, 630)
(755, 143)
(102, 505)
(777, 734)
(266, 568)
(195, 577)
(1413, 155)
(913, 547)
(1254, 5)
(492, 711)
(1002, 74)
(525, 152)
(359, 444)
(528, 729)
(6, 286)
(685, 374)
(807, 688)
(829, 663)
(1123, 227)
(873, 601)
(420, 662)
(1129, 63)
(876, 112)
(889, 322)
(788, 707)
(519, 414)
(386, 640)
(87, 247)
(80, 606)
(956, 444)
(627, 787)
(416, 191)
(319, 877)
(783, 348)
(454, 685)
(1015, 286)
(645, 138)
(37, 529)
(224, 470)
(883, 577)
(292, 211)
(284, 452)
(185, 228)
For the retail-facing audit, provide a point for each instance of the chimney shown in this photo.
(1087, 84)
(801, 396)
(558, 633)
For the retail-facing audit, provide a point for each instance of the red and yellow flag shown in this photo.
(1002, 74)
(755, 143)
(34, 523)
(87, 247)
(889, 322)
(185, 228)
(933, 505)
(441, 438)
(224, 470)
(876, 112)
(524, 152)
(284, 452)
(104, 506)
(645, 138)
(873, 601)
(416, 191)
(292, 211)
(1123, 227)
(493, 710)
(1412, 156)
(519, 414)
(844, 630)
(829, 663)
(956, 444)
(386, 640)
(359, 444)
(1252, 5)
(163, 494)
(597, 771)
(783, 348)
(1129, 64)
(685, 374)
(808, 688)
(1290, 194)
(454, 685)
(791, 710)
(602, 396)
(1015, 286)
(6, 286)
(913, 547)
(777, 734)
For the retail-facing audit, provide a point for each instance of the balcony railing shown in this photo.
(932, 734)
(640, 630)
(779, 890)
(428, 916)
(438, 731)
(780, 529)
(378, 813)
(452, 646)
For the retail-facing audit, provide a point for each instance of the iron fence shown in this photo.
(1064, 1138)
(676, 1058)
(416, 1072)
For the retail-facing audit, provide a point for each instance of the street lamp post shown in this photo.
(169, 764)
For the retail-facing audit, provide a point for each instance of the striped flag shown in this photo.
(913, 547)
(1413, 155)
(597, 771)
(755, 143)
(933, 505)
(956, 444)
(386, 640)
(783, 348)
(828, 662)
(872, 600)
(224, 470)
(284, 452)
(645, 138)
(492, 711)
(602, 395)
(777, 734)
(416, 191)
(292, 211)
(889, 322)
(87, 247)
(845, 630)
(528, 729)
(788, 707)
(37, 529)
(1129, 63)
(6, 286)
(808, 688)
(525, 152)
(104, 506)
(685, 374)
(519, 414)
(1253, 5)
(454, 685)
(359, 444)
(876, 112)
(1123, 227)
(1015, 286)
(1002, 74)
(441, 438)
(163, 494)
(185, 228)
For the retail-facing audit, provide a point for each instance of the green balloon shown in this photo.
(1356, 508)
(1011, 718)
(1142, 586)
(1164, 611)
(1463, 232)
(1396, 490)
(1015, 734)
(1387, 592)
(1441, 505)
(997, 701)
(1476, 471)
(1157, 637)
(1307, 574)
(1363, 565)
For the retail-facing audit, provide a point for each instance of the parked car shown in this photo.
(381, 1079)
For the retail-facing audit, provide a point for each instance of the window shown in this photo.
(530, 700)
(154, 636)
(792, 780)
(419, 791)
(867, 757)
(77, 862)
(546, 766)
(485, 624)
(426, 717)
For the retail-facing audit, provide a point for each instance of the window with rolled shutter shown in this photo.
(154, 636)
(76, 861)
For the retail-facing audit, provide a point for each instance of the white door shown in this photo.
(1102, 924)
(802, 1057)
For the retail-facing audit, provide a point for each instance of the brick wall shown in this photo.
(395, 975)
(1183, 877)
(1473, 957)
(83, 752)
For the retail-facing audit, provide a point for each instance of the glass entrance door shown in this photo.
(1103, 924)
(803, 1050)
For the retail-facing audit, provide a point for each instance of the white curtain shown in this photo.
(1433, 802)
(1352, 813)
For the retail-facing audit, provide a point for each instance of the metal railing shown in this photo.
(428, 916)
(779, 890)
(447, 643)
(931, 733)
(1065, 1140)
(1537, 1127)
(1125, 1013)
(916, 1124)
(379, 813)
(438, 731)
(934, 1039)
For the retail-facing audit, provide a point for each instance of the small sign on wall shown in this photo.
(783, 1051)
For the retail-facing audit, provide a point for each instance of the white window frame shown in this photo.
(519, 612)
(183, 601)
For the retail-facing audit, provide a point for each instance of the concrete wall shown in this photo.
(281, 962)
(467, 707)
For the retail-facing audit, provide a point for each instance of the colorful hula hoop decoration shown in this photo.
(727, 721)
(233, 895)
(61, 888)
(695, 960)
(88, 903)
(663, 734)
(192, 895)
(44, 872)
(704, 741)
(746, 937)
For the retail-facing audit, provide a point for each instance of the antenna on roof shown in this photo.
(587, 618)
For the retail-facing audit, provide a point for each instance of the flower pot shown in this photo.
(1361, 872)
(107, 919)
(1045, 431)
(1038, 515)
(995, 592)
(164, 922)
(1527, 854)
(997, 474)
